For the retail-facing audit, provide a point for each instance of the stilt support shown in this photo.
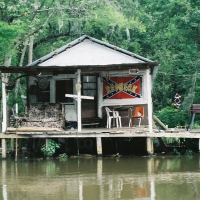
(199, 145)
(12, 145)
(150, 150)
(3, 141)
(99, 146)
(47, 142)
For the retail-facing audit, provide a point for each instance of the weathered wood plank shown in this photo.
(32, 129)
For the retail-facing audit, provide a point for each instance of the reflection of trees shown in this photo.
(49, 168)
(175, 163)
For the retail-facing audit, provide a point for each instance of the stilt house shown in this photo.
(72, 86)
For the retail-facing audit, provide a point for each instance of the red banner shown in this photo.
(121, 87)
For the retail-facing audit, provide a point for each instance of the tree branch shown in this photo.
(53, 36)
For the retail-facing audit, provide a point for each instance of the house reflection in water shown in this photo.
(107, 178)
(117, 186)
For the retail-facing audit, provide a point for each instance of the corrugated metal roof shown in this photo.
(88, 51)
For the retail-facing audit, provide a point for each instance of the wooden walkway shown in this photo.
(42, 132)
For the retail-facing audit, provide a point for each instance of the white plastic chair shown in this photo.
(113, 115)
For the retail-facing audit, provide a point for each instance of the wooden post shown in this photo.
(77, 145)
(12, 146)
(159, 122)
(3, 144)
(99, 146)
(30, 53)
(47, 142)
(4, 105)
(150, 150)
(150, 110)
(79, 100)
(199, 145)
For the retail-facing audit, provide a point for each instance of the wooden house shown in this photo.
(71, 87)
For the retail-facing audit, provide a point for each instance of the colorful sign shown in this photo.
(121, 87)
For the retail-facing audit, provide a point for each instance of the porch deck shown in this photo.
(43, 132)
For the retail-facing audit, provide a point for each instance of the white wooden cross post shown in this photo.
(79, 97)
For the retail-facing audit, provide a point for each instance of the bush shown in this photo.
(51, 149)
(172, 117)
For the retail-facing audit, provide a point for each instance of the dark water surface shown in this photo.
(139, 178)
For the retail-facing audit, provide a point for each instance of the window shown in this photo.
(64, 87)
(43, 95)
(89, 86)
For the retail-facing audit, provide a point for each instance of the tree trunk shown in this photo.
(23, 53)
(30, 52)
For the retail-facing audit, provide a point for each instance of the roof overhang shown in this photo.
(72, 69)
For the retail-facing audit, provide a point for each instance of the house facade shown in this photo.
(84, 77)
(113, 76)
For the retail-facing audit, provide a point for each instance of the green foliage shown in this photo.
(171, 117)
(13, 98)
(176, 152)
(196, 125)
(63, 157)
(189, 152)
(51, 148)
(8, 37)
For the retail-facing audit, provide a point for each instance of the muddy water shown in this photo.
(139, 178)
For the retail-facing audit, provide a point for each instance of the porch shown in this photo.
(142, 131)
(98, 136)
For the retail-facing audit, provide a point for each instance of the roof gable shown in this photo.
(88, 51)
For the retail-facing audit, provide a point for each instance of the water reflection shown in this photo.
(5, 192)
(139, 178)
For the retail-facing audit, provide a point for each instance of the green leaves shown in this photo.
(8, 36)
(172, 117)
(51, 148)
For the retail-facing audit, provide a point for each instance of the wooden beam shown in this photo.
(149, 99)
(99, 146)
(4, 102)
(150, 150)
(159, 122)
(199, 145)
(79, 100)
(76, 96)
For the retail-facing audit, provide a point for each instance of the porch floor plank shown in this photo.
(32, 129)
